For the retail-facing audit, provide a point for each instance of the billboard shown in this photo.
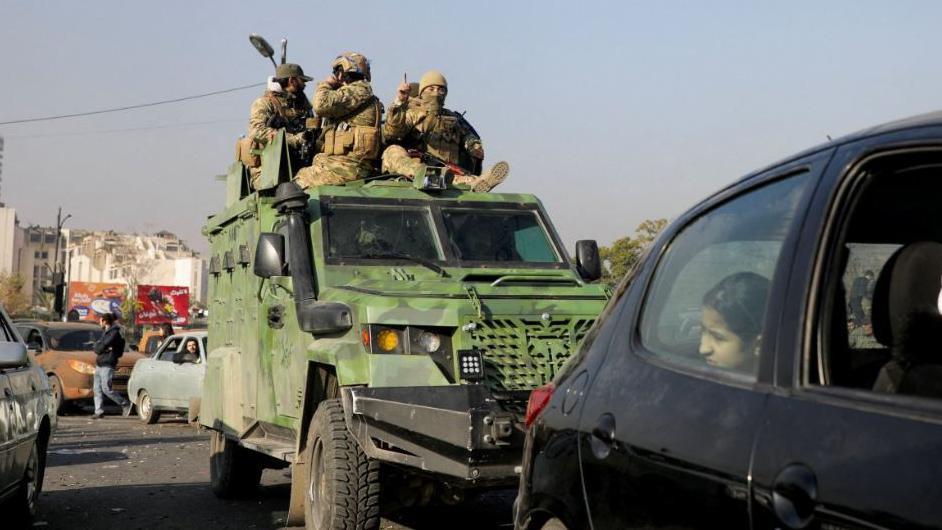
(89, 300)
(163, 303)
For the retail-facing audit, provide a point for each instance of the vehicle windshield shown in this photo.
(498, 235)
(381, 232)
(73, 339)
(479, 235)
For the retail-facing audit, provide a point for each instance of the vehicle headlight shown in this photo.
(430, 342)
(82, 367)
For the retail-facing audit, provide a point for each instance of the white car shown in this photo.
(27, 421)
(169, 380)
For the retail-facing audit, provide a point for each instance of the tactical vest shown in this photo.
(440, 134)
(356, 134)
(295, 115)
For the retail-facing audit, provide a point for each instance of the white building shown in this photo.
(111, 257)
(9, 236)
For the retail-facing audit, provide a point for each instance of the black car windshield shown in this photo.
(498, 236)
(73, 339)
(360, 232)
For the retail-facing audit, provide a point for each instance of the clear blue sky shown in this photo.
(611, 112)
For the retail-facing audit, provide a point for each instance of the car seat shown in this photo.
(906, 316)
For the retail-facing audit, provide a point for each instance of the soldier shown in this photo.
(423, 123)
(282, 106)
(350, 137)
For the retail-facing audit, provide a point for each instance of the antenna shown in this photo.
(284, 50)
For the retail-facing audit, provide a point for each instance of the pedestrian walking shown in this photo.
(109, 347)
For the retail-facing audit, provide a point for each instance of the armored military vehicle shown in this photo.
(383, 333)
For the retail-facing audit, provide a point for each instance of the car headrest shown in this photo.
(907, 300)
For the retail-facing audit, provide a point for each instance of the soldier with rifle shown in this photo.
(435, 136)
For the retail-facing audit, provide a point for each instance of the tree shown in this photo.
(622, 255)
(14, 299)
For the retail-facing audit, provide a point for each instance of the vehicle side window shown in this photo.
(707, 300)
(6, 331)
(169, 348)
(205, 346)
(880, 323)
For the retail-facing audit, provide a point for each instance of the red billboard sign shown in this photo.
(89, 300)
(163, 303)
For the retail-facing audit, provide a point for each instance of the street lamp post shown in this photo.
(56, 273)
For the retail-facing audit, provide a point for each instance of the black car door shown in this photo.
(670, 418)
(841, 448)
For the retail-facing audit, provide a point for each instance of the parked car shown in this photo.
(776, 410)
(27, 420)
(64, 350)
(169, 380)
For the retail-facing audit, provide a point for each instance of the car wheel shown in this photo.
(55, 384)
(233, 470)
(145, 408)
(553, 524)
(343, 484)
(22, 505)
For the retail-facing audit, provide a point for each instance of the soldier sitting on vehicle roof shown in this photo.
(443, 136)
(350, 137)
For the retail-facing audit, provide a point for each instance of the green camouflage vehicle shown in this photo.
(381, 334)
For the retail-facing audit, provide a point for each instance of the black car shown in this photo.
(808, 393)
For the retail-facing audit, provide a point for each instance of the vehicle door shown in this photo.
(159, 373)
(854, 437)
(671, 415)
(15, 396)
(186, 379)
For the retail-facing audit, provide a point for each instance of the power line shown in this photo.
(130, 129)
(131, 107)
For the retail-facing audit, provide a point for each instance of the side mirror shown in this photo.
(13, 355)
(270, 255)
(588, 262)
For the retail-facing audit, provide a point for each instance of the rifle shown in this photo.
(432, 160)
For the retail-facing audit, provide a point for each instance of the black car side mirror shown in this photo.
(270, 255)
(588, 262)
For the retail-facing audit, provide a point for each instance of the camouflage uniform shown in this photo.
(422, 123)
(350, 135)
(293, 108)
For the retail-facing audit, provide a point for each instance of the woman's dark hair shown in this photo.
(194, 341)
(740, 299)
(108, 318)
(167, 329)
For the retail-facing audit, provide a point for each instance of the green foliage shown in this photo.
(622, 255)
(14, 299)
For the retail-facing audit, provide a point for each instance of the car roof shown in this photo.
(196, 334)
(56, 325)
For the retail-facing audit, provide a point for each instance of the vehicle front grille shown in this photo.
(522, 353)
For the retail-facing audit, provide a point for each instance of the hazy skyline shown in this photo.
(611, 113)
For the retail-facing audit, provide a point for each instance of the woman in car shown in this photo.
(189, 354)
(732, 321)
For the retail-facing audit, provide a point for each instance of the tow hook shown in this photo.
(501, 428)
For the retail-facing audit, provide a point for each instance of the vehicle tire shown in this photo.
(343, 484)
(233, 470)
(145, 408)
(553, 524)
(55, 384)
(22, 506)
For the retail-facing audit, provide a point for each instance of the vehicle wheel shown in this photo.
(233, 470)
(22, 505)
(553, 524)
(343, 488)
(145, 408)
(55, 384)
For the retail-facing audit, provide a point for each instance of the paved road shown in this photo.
(118, 473)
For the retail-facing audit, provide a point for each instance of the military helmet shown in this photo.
(352, 63)
(284, 71)
(430, 78)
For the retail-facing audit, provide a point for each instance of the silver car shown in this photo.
(170, 380)
(27, 420)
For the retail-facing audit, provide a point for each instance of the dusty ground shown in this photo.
(118, 473)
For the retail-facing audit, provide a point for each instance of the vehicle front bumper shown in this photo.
(460, 433)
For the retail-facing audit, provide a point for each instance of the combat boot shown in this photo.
(493, 176)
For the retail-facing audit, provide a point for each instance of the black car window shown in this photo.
(73, 339)
(169, 348)
(879, 322)
(707, 300)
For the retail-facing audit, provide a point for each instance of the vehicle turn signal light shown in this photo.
(387, 340)
(539, 399)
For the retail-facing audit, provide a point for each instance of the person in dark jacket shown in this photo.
(109, 348)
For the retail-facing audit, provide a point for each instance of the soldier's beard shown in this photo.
(433, 102)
